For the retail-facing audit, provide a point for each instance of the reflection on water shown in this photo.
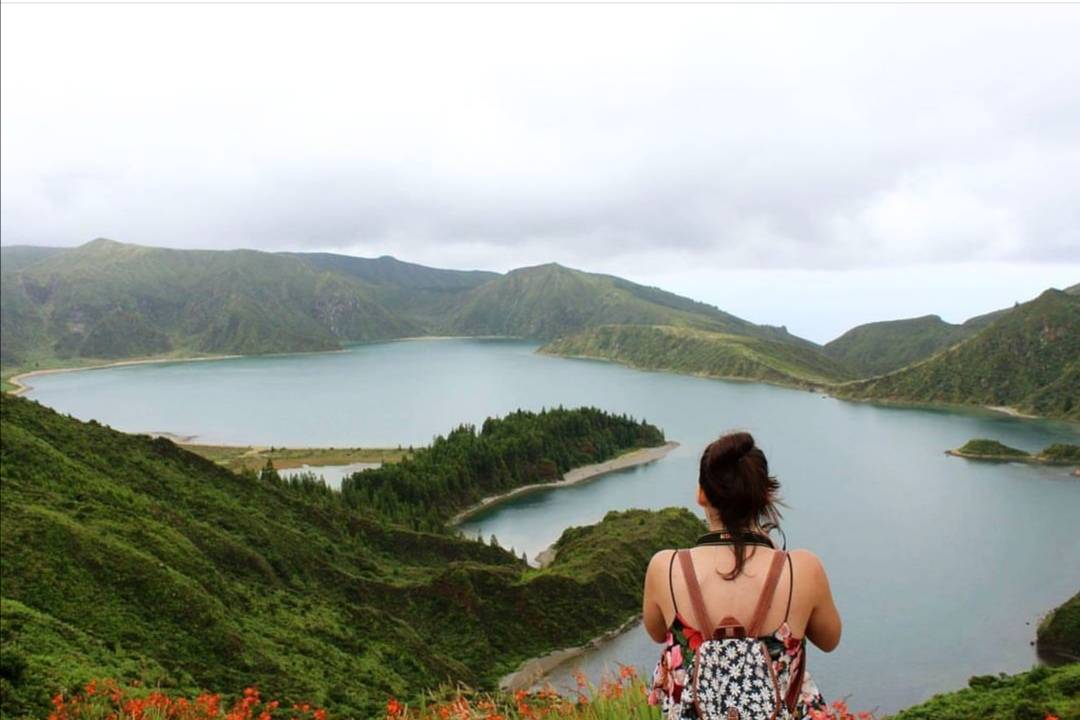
(940, 566)
(332, 475)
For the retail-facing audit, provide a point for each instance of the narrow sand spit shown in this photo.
(572, 477)
(531, 671)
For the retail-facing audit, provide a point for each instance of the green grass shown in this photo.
(107, 300)
(882, 347)
(1061, 453)
(981, 447)
(1032, 695)
(701, 352)
(128, 557)
(1059, 633)
(247, 457)
(1026, 358)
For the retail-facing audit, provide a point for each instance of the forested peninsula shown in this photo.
(126, 556)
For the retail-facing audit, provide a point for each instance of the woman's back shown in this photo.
(734, 613)
(802, 597)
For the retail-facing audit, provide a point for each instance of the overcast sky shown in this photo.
(817, 166)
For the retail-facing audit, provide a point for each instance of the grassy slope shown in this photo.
(128, 555)
(551, 301)
(881, 347)
(982, 449)
(107, 300)
(1028, 358)
(990, 448)
(1059, 633)
(16, 257)
(247, 457)
(423, 295)
(715, 354)
(1032, 695)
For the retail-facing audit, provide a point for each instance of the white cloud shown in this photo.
(820, 137)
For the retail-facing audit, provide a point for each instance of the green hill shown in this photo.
(128, 557)
(17, 257)
(1035, 695)
(881, 347)
(1028, 359)
(1059, 633)
(700, 352)
(425, 296)
(107, 300)
(981, 447)
(551, 301)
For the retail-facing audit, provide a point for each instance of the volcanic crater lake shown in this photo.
(941, 567)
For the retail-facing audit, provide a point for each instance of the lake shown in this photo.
(941, 567)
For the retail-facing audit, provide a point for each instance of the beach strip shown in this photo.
(630, 459)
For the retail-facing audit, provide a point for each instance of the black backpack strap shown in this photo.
(791, 585)
(671, 583)
(692, 586)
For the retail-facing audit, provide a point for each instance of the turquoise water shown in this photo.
(940, 566)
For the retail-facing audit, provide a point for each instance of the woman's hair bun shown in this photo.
(734, 476)
(731, 448)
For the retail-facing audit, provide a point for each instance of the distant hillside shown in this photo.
(1028, 358)
(425, 296)
(108, 300)
(881, 347)
(16, 257)
(128, 557)
(700, 352)
(551, 301)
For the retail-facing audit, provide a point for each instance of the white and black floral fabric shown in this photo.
(753, 676)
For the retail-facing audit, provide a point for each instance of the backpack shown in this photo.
(733, 676)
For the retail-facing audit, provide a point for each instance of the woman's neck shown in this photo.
(716, 526)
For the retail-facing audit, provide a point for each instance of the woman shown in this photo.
(780, 598)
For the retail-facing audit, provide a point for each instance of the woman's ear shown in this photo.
(701, 499)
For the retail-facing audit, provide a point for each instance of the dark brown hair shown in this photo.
(735, 478)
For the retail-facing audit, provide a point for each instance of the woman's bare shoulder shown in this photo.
(660, 561)
(807, 565)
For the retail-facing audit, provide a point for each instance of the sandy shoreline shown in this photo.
(572, 477)
(21, 387)
(531, 671)
(1011, 412)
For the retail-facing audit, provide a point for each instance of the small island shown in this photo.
(994, 451)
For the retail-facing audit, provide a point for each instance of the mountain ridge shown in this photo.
(1028, 358)
(107, 300)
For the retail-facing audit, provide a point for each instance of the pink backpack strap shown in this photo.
(767, 592)
(686, 562)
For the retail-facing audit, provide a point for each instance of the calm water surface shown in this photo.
(940, 566)
(332, 475)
